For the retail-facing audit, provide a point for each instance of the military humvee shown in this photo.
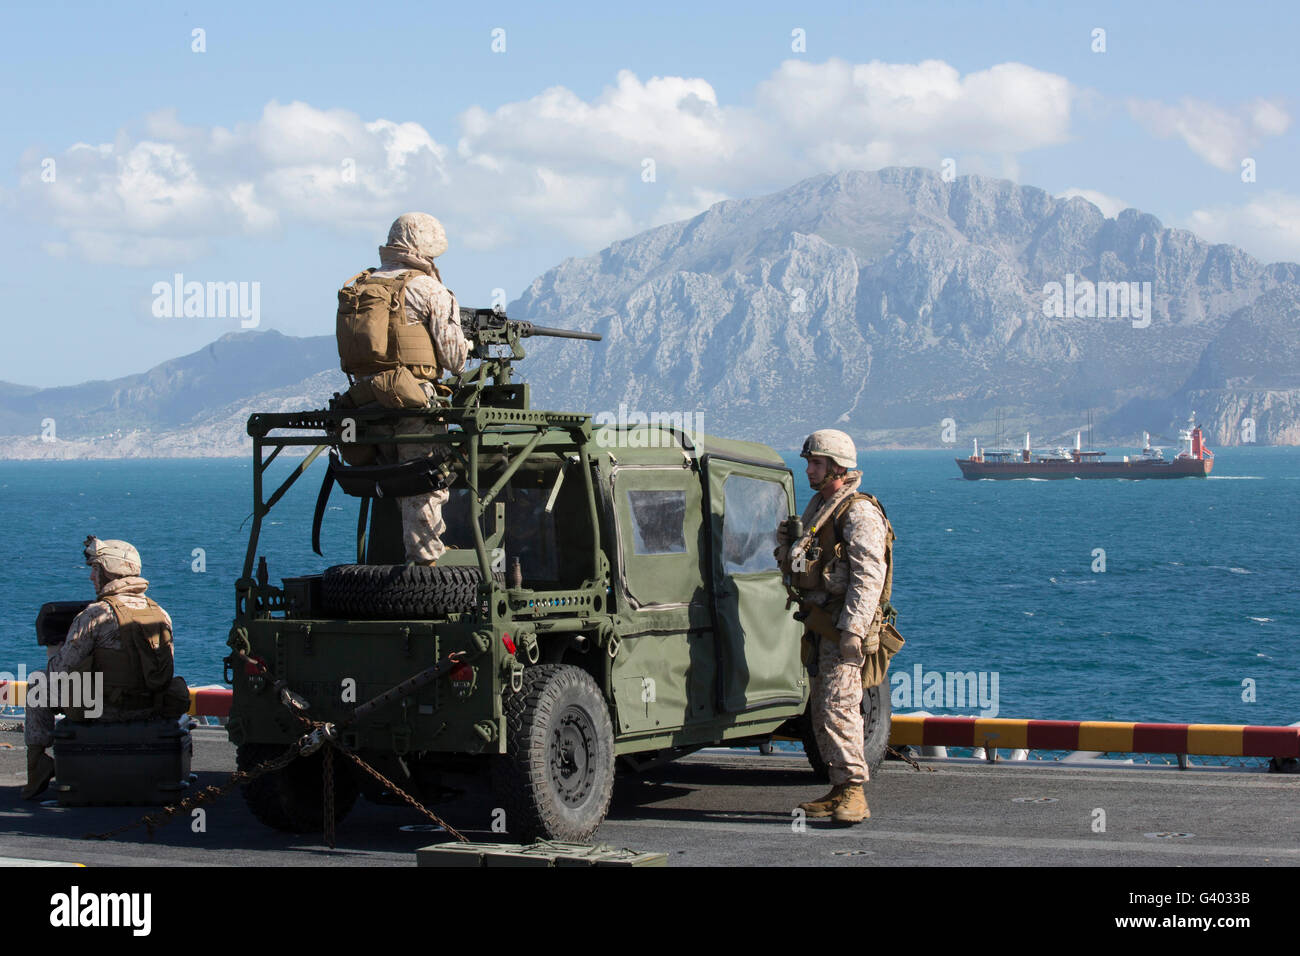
(612, 597)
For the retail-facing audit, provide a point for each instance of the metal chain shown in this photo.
(908, 759)
(327, 772)
(205, 795)
(169, 813)
(405, 796)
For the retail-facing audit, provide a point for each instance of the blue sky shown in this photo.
(228, 165)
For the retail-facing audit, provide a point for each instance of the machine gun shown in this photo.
(489, 328)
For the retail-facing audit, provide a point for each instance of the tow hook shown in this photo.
(291, 700)
(528, 644)
(308, 744)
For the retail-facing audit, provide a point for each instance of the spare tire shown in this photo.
(399, 591)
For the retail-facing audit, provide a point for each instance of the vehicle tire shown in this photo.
(557, 775)
(398, 591)
(292, 799)
(876, 713)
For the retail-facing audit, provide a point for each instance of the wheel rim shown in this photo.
(870, 708)
(569, 756)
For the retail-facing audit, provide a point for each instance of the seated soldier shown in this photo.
(124, 641)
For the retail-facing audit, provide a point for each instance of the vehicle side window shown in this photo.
(658, 521)
(752, 509)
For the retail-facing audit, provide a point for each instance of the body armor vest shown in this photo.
(137, 672)
(826, 556)
(372, 332)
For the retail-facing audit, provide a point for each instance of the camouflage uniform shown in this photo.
(96, 626)
(857, 580)
(115, 572)
(413, 242)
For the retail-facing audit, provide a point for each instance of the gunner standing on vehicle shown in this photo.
(839, 572)
(123, 642)
(398, 329)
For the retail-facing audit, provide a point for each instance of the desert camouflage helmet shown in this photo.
(832, 444)
(420, 233)
(116, 558)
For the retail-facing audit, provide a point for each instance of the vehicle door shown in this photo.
(758, 640)
(664, 672)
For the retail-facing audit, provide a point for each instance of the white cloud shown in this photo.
(914, 113)
(553, 164)
(1221, 137)
(1267, 227)
(1110, 206)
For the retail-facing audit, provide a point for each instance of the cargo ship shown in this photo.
(1195, 460)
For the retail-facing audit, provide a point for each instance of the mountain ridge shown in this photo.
(887, 303)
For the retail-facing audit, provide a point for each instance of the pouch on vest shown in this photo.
(173, 700)
(820, 622)
(361, 324)
(371, 328)
(876, 666)
(359, 395)
(398, 388)
(151, 639)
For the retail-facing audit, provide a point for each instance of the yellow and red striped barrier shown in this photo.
(1220, 740)
(210, 701)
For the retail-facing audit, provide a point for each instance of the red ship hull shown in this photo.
(1173, 468)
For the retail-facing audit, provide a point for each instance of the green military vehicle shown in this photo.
(611, 599)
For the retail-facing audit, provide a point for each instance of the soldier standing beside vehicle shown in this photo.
(838, 569)
(398, 328)
(126, 638)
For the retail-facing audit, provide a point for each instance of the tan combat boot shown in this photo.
(40, 771)
(823, 806)
(852, 805)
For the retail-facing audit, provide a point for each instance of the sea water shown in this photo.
(1158, 600)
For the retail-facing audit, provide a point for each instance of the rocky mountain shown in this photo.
(1246, 386)
(885, 303)
(196, 406)
(889, 301)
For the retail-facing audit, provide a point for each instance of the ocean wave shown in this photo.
(1262, 620)
(1234, 477)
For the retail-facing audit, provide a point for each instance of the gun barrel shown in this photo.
(527, 329)
(489, 320)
